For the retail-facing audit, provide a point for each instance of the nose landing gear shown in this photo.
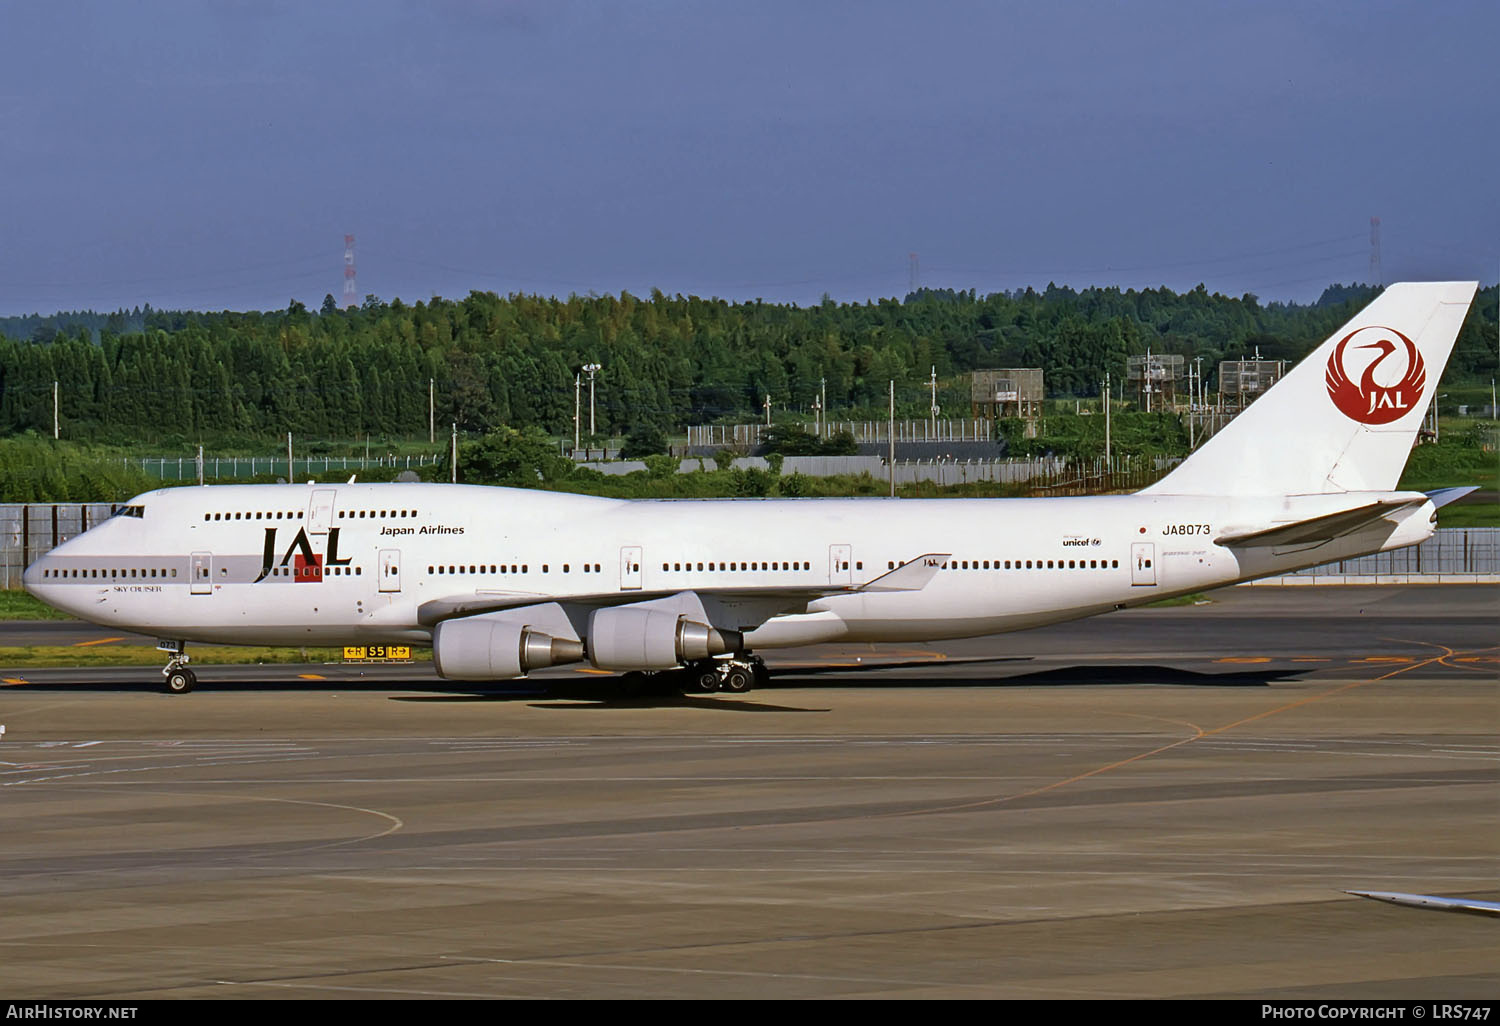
(180, 679)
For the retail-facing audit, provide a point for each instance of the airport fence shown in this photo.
(31, 530)
(1046, 475)
(221, 468)
(976, 429)
(1457, 554)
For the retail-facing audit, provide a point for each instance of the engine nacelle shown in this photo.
(476, 648)
(626, 638)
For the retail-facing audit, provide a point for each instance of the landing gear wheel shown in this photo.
(706, 679)
(762, 675)
(180, 679)
(738, 680)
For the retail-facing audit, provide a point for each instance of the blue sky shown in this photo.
(212, 155)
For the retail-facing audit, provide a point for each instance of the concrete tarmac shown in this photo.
(1158, 803)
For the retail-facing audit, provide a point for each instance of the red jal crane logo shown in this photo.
(1384, 393)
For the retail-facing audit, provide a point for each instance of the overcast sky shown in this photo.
(211, 155)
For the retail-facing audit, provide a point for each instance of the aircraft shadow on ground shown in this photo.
(1064, 676)
(605, 692)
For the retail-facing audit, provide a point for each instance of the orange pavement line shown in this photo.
(1199, 733)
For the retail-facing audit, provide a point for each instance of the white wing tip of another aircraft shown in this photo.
(1429, 901)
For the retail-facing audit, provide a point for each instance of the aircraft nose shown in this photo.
(37, 580)
(31, 577)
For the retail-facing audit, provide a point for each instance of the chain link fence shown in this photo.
(221, 468)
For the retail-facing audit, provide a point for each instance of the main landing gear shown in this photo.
(180, 679)
(737, 675)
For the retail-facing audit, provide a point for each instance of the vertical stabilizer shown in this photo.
(1345, 418)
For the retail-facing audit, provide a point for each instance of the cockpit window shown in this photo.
(139, 512)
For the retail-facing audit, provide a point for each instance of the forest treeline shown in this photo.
(173, 377)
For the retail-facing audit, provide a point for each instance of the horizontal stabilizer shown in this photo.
(1442, 496)
(913, 575)
(1471, 906)
(1317, 529)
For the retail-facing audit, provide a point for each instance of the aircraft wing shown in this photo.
(1316, 530)
(913, 575)
(1473, 907)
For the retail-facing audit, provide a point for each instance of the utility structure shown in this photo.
(351, 292)
(915, 279)
(1155, 377)
(1007, 392)
(1375, 271)
(1242, 381)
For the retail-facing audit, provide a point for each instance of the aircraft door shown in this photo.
(202, 573)
(1142, 563)
(320, 512)
(840, 558)
(630, 568)
(390, 570)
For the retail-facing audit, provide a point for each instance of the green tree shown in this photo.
(510, 457)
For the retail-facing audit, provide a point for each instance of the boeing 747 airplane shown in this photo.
(502, 581)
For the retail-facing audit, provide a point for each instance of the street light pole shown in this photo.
(591, 369)
(1108, 464)
(934, 402)
(891, 438)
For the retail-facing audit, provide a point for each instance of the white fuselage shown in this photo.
(354, 563)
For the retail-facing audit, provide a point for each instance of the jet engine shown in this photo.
(479, 648)
(627, 638)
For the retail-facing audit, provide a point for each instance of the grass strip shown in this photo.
(64, 656)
